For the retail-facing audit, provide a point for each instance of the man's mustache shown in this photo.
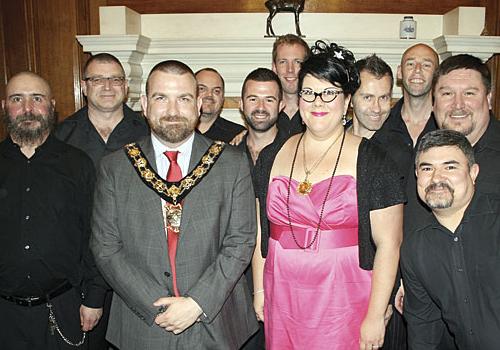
(208, 99)
(29, 117)
(439, 186)
(458, 112)
(174, 118)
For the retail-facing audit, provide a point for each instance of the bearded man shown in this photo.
(174, 228)
(51, 294)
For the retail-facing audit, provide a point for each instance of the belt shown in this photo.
(327, 239)
(34, 301)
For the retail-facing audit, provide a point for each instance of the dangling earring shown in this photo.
(344, 120)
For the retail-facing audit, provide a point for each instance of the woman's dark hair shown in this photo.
(332, 63)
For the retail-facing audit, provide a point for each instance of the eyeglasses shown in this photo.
(99, 81)
(327, 95)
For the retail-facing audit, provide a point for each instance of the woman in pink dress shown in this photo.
(334, 205)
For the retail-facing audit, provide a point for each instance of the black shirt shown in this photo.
(223, 130)
(290, 126)
(453, 279)
(45, 206)
(487, 154)
(394, 137)
(78, 131)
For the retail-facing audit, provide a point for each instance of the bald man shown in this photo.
(411, 117)
(50, 291)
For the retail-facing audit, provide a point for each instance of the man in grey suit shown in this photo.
(175, 251)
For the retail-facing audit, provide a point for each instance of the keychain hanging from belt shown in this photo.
(54, 326)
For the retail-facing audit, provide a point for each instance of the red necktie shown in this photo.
(174, 174)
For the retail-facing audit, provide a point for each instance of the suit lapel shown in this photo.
(153, 201)
(200, 146)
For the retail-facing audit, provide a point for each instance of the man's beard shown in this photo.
(26, 135)
(173, 133)
(210, 112)
(465, 126)
(416, 93)
(439, 202)
(264, 125)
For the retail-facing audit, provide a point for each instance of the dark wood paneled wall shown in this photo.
(39, 35)
(316, 6)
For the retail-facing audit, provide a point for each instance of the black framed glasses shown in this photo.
(99, 81)
(327, 95)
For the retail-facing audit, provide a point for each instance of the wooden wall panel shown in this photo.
(60, 55)
(18, 44)
(3, 67)
(342, 6)
(39, 35)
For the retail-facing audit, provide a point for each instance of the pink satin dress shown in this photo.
(315, 298)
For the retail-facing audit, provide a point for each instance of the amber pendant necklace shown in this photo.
(305, 187)
(307, 246)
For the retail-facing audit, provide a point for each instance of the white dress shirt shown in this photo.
(183, 158)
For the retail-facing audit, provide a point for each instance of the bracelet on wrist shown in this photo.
(258, 291)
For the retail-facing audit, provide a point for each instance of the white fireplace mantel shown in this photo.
(236, 51)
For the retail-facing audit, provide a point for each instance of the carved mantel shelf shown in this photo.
(236, 58)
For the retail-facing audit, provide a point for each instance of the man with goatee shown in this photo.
(50, 291)
(450, 261)
(211, 124)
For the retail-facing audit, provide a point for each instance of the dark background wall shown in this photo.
(39, 35)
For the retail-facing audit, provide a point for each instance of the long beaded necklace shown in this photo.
(324, 201)
(305, 187)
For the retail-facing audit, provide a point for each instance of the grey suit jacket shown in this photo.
(215, 246)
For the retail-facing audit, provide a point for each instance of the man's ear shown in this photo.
(144, 104)
(199, 103)
(399, 74)
(83, 83)
(474, 172)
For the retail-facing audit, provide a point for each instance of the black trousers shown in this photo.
(396, 333)
(27, 328)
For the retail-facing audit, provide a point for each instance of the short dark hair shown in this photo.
(290, 39)
(464, 61)
(445, 137)
(263, 75)
(103, 58)
(376, 67)
(170, 66)
(213, 70)
(332, 63)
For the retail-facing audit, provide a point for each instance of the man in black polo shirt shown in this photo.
(411, 117)
(462, 102)
(46, 189)
(450, 261)
(211, 90)
(106, 123)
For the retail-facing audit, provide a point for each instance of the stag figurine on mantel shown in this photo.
(275, 6)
